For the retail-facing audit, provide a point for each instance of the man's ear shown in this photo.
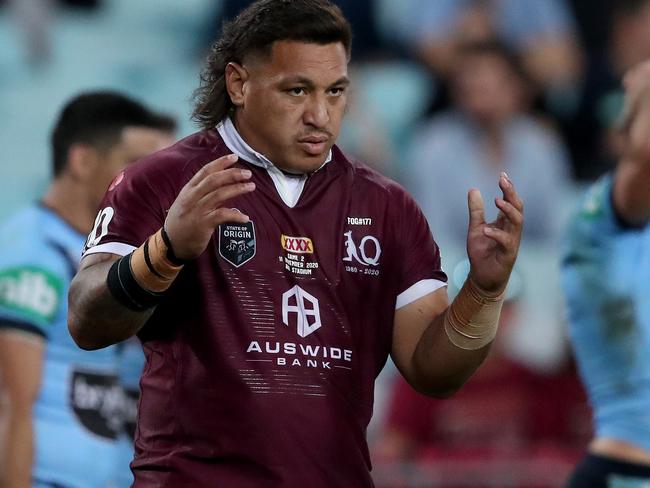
(236, 77)
(82, 161)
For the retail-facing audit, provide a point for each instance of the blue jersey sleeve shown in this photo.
(600, 259)
(32, 286)
(595, 222)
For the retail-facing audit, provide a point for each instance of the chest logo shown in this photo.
(237, 243)
(300, 309)
(367, 252)
(297, 245)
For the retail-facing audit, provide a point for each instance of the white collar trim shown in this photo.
(288, 187)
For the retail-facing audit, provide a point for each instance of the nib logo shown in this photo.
(30, 291)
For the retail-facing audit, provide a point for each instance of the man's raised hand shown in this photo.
(492, 247)
(199, 207)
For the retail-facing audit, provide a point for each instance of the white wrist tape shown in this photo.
(471, 321)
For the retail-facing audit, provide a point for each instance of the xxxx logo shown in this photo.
(297, 245)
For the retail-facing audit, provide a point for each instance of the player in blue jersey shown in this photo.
(606, 278)
(64, 405)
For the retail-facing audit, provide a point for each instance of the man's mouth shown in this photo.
(314, 145)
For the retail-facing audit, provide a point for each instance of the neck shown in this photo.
(494, 143)
(247, 135)
(68, 201)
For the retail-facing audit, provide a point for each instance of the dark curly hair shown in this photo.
(254, 31)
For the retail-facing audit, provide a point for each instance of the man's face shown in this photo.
(135, 143)
(486, 88)
(292, 103)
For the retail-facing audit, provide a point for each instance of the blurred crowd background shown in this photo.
(446, 94)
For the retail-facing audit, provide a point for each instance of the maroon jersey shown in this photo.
(262, 357)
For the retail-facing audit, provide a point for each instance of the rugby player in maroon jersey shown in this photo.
(269, 277)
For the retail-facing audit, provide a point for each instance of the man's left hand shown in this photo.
(492, 247)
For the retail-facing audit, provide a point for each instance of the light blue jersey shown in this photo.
(606, 280)
(78, 411)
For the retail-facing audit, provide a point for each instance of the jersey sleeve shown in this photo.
(595, 223)
(133, 208)
(32, 290)
(420, 271)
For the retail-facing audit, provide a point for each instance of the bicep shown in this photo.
(21, 362)
(88, 285)
(410, 323)
(93, 270)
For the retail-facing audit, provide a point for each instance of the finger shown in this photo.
(509, 192)
(509, 212)
(223, 215)
(218, 164)
(501, 237)
(214, 181)
(476, 208)
(214, 199)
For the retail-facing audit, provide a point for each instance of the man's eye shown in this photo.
(297, 91)
(337, 92)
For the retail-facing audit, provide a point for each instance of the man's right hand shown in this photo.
(199, 207)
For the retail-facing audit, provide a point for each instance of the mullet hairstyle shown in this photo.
(253, 32)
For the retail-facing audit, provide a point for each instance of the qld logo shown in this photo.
(367, 252)
(237, 243)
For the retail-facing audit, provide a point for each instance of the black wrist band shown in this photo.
(175, 260)
(126, 290)
(147, 260)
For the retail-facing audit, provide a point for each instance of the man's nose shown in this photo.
(317, 111)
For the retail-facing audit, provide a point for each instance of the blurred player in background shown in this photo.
(269, 277)
(606, 271)
(63, 405)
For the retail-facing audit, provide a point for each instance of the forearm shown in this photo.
(457, 341)
(440, 368)
(95, 318)
(17, 450)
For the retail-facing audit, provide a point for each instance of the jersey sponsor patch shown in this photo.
(237, 243)
(98, 402)
(306, 309)
(32, 292)
(297, 245)
(299, 255)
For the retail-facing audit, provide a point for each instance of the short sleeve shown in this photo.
(419, 271)
(596, 218)
(595, 230)
(130, 212)
(32, 292)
